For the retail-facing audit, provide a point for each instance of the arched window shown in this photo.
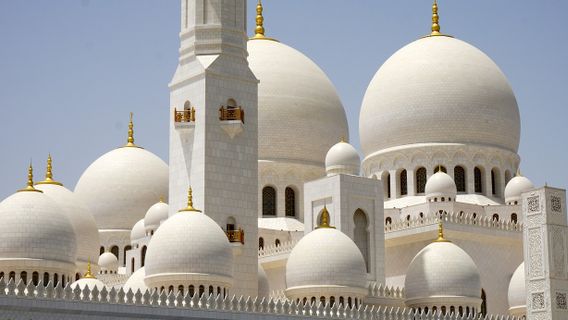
(361, 234)
(514, 217)
(483, 302)
(495, 217)
(477, 179)
(386, 179)
(143, 256)
(231, 223)
(403, 183)
(313, 300)
(290, 202)
(277, 242)
(180, 290)
(421, 180)
(460, 308)
(443, 310)
(231, 103)
(124, 257)
(63, 280)
(421, 214)
(210, 290)
(437, 168)
(268, 201)
(322, 300)
(114, 250)
(2, 275)
(459, 178)
(132, 265)
(388, 220)
(341, 301)
(218, 291)
(331, 301)
(201, 290)
(77, 276)
(260, 243)
(350, 302)
(35, 278)
(452, 310)
(102, 250)
(191, 290)
(24, 277)
(170, 289)
(494, 182)
(45, 278)
(55, 279)
(187, 106)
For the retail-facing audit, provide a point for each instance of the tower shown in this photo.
(545, 241)
(214, 129)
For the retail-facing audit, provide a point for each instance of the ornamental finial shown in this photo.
(89, 274)
(130, 140)
(189, 202)
(259, 30)
(435, 20)
(30, 184)
(49, 173)
(325, 219)
(441, 232)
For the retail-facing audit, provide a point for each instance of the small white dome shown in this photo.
(325, 262)
(121, 185)
(155, 215)
(138, 232)
(296, 103)
(84, 224)
(36, 233)
(263, 286)
(108, 262)
(515, 188)
(517, 292)
(189, 246)
(440, 271)
(342, 158)
(136, 281)
(89, 282)
(440, 184)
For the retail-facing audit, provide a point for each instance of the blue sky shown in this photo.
(72, 70)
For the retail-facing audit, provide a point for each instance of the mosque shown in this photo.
(434, 220)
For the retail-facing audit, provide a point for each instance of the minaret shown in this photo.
(213, 127)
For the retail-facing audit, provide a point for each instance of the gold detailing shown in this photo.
(30, 184)
(231, 113)
(325, 220)
(236, 235)
(189, 202)
(343, 139)
(259, 30)
(161, 199)
(184, 115)
(130, 141)
(89, 275)
(436, 22)
(441, 233)
(49, 174)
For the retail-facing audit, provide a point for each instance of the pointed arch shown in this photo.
(478, 180)
(459, 178)
(403, 181)
(421, 180)
(268, 201)
(290, 202)
(361, 234)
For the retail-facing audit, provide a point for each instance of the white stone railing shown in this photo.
(13, 296)
(455, 218)
(378, 290)
(272, 250)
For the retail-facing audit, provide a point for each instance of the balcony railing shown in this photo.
(236, 235)
(184, 115)
(232, 113)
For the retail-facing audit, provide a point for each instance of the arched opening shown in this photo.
(494, 181)
(421, 180)
(514, 217)
(277, 242)
(201, 290)
(388, 220)
(495, 217)
(1, 275)
(143, 256)
(260, 243)
(55, 279)
(126, 248)
(45, 278)
(361, 234)
(191, 290)
(180, 290)
(63, 280)
(114, 250)
(459, 178)
(403, 181)
(438, 167)
(35, 278)
(170, 289)
(77, 276)
(341, 301)
(187, 106)
(210, 290)
(477, 180)
(268, 201)
(102, 250)
(231, 224)
(290, 202)
(231, 103)
(132, 265)
(331, 301)
(386, 179)
(24, 277)
(322, 300)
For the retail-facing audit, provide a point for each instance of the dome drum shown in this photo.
(337, 292)
(474, 304)
(187, 280)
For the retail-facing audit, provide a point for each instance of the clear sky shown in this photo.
(72, 70)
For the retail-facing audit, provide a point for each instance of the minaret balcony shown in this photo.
(184, 119)
(236, 236)
(232, 120)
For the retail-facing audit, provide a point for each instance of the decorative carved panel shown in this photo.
(535, 253)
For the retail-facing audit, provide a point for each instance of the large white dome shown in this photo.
(440, 184)
(517, 292)
(300, 115)
(84, 224)
(342, 158)
(189, 246)
(121, 185)
(36, 233)
(138, 232)
(439, 90)
(325, 259)
(516, 187)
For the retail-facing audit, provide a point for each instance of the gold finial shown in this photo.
(30, 184)
(49, 173)
(325, 219)
(435, 20)
(162, 199)
(130, 141)
(259, 30)
(441, 232)
(343, 139)
(88, 274)
(189, 202)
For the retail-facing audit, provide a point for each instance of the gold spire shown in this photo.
(441, 232)
(324, 220)
(259, 30)
(436, 22)
(30, 184)
(161, 199)
(49, 173)
(130, 141)
(88, 274)
(189, 202)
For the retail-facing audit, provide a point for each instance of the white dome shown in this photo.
(439, 271)
(108, 261)
(517, 292)
(263, 286)
(136, 281)
(325, 259)
(121, 185)
(516, 187)
(189, 245)
(83, 223)
(138, 231)
(342, 158)
(297, 105)
(155, 215)
(36, 233)
(439, 90)
(440, 184)
(89, 282)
